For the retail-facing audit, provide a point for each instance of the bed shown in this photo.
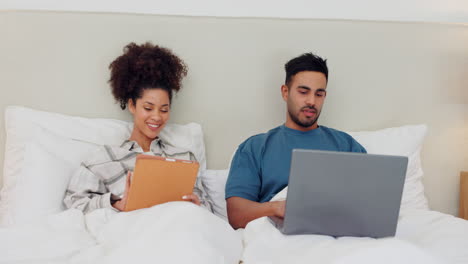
(398, 88)
(36, 228)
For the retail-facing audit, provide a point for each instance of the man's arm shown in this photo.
(241, 211)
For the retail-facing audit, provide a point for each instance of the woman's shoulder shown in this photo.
(106, 153)
(178, 152)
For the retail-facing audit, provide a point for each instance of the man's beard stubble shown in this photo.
(308, 123)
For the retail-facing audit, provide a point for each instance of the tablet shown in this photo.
(158, 180)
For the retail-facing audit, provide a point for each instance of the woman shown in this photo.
(142, 79)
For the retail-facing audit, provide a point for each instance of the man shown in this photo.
(260, 167)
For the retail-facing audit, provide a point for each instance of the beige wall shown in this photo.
(381, 75)
(414, 10)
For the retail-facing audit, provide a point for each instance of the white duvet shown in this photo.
(181, 232)
(177, 232)
(422, 237)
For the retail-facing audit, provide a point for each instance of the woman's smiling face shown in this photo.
(150, 114)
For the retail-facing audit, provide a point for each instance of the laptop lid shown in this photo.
(344, 194)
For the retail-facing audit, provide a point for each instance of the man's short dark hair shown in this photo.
(305, 62)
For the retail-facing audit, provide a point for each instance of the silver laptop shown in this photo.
(343, 194)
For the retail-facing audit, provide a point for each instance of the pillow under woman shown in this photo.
(142, 80)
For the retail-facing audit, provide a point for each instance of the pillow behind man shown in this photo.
(400, 141)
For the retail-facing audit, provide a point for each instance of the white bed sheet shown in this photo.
(422, 237)
(182, 233)
(177, 232)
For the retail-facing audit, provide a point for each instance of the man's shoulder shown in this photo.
(259, 140)
(336, 132)
(344, 139)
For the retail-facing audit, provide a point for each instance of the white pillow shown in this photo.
(49, 162)
(188, 136)
(21, 124)
(214, 182)
(402, 141)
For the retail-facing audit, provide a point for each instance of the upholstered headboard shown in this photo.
(381, 75)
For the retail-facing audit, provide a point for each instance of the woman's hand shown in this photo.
(120, 204)
(192, 198)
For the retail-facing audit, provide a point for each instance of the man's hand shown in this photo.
(280, 207)
(120, 204)
(241, 211)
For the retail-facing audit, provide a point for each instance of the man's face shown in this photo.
(304, 96)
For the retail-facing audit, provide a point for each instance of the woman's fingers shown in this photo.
(128, 182)
(191, 198)
(127, 187)
(120, 204)
(129, 177)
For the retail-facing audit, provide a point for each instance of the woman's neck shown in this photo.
(143, 141)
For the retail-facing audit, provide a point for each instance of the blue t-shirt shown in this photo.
(260, 167)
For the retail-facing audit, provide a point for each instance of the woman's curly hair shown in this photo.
(142, 67)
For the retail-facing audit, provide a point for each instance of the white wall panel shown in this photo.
(381, 10)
